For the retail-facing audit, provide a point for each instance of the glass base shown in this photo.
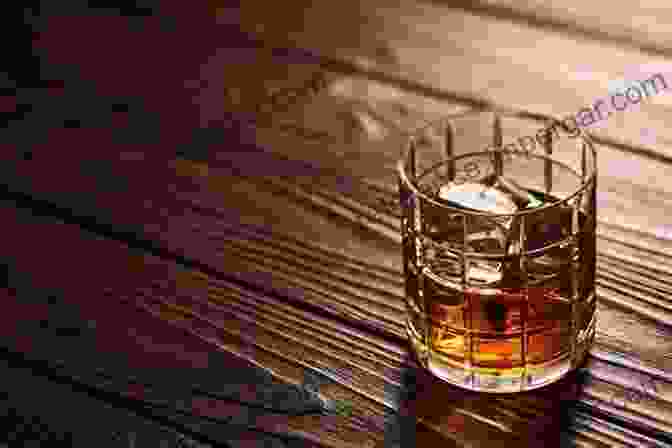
(517, 379)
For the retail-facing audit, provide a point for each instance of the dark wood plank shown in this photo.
(94, 324)
(30, 414)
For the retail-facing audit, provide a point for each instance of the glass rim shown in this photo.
(586, 182)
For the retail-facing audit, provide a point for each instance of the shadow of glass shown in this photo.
(431, 409)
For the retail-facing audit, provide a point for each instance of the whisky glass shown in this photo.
(498, 228)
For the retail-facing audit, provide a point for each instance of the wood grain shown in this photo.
(155, 221)
(419, 43)
(277, 239)
(210, 309)
(35, 418)
(640, 26)
(364, 382)
(142, 345)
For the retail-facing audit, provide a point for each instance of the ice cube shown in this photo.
(522, 197)
(479, 197)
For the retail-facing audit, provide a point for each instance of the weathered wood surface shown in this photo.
(642, 26)
(354, 372)
(32, 413)
(450, 50)
(287, 245)
(93, 322)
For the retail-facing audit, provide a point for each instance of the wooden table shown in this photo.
(201, 237)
